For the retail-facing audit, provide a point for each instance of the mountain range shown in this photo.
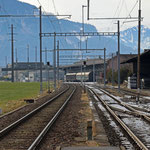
(26, 32)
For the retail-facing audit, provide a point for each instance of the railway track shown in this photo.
(130, 99)
(131, 93)
(145, 113)
(28, 131)
(9, 118)
(131, 120)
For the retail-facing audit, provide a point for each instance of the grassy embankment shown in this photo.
(12, 95)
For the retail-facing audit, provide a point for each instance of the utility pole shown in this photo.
(84, 75)
(6, 61)
(41, 88)
(104, 67)
(58, 62)
(16, 66)
(139, 47)
(48, 65)
(93, 70)
(28, 53)
(112, 80)
(81, 56)
(86, 44)
(45, 56)
(54, 61)
(101, 18)
(28, 60)
(88, 9)
(83, 17)
(36, 64)
(118, 55)
(12, 52)
(46, 74)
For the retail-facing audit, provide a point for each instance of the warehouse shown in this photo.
(144, 66)
(89, 65)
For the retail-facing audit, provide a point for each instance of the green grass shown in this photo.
(12, 95)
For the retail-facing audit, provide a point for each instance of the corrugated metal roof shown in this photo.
(143, 56)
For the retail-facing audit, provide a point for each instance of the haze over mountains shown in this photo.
(27, 33)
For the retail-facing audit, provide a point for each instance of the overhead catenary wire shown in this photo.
(8, 24)
(120, 8)
(128, 16)
(50, 21)
(7, 15)
(117, 9)
(58, 21)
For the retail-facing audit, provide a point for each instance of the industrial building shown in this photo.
(30, 72)
(112, 63)
(89, 65)
(144, 68)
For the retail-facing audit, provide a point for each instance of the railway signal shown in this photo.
(84, 63)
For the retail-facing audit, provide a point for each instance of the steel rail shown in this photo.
(130, 133)
(139, 109)
(136, 110)
(37, 141)
(124, 111)
(127, 92)
(134, 94)
(140, 113)
(16, 123)
(11, 112)
(15, 110)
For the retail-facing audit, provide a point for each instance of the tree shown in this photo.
(124, 74)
